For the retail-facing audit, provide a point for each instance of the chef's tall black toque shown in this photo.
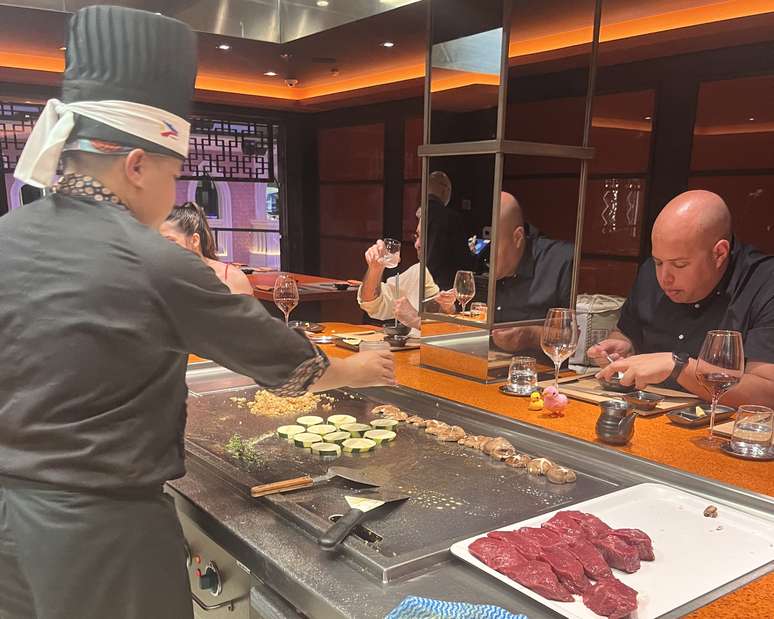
(117, 53)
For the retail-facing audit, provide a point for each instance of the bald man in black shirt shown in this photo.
(699, 279)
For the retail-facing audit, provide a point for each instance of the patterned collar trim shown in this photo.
(80, 186)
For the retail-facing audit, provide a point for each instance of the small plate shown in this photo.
(311, 327)
(508, 391)
(687, 417)
(726, 447)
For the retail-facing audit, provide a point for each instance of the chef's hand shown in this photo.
(445, 300)
(616, 348)
(516, 338)
(641, 370)
(373, 368)
(372, 255)
(406, 313)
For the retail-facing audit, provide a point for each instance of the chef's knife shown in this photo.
(307, 480)
(359, 506)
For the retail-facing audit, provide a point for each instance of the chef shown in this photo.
(98, 315)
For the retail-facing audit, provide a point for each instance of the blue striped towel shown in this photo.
(414, 607)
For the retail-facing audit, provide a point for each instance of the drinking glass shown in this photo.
(559, 338)
(391, 258)
(285, 294)
(478, 311)
(465, 285)
(522, 375)
(720, 366)
(753, 431)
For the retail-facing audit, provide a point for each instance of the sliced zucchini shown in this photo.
(306, 439)
(380, 436)
(356, 430)
(358, 445)
(309, 420)
(340, 420)
(289, 431)
(337, 437)
(321, 429)
(326, 449)
(384, 424)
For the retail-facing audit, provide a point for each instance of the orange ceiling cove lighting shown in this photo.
(713, 11)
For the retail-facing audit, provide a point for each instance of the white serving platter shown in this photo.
(694, 554)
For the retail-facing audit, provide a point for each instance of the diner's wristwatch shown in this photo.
(681, 359)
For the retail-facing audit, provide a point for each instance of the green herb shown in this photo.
(243, 450)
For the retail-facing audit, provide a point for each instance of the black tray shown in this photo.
(687, 417)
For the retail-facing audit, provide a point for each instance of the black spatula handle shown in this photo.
(341, 528)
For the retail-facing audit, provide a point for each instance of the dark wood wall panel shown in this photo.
(351, 153)
(351, 209)
(549, 204)
(599, 276)
(343, 258)
(412, 164)
(411, 199)
(751, 201)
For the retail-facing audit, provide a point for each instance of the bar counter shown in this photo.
(655, 438)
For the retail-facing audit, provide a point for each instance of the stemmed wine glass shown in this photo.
(719, 367)
(390, 260)
(285, 294)
(559, 338)
(465, 285)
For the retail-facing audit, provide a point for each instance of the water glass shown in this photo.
(522, 375)
(478, 311)
(391, 257)
(753, 433)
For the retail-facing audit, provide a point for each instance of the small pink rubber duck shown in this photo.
(554, 401)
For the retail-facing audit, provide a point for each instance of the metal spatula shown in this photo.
(359, 506)
(307, 480)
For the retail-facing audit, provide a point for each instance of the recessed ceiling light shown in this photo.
(224, 47)
(322, 2)
(270, 73)
(751, 118)
(648, 117)
(388, 44)
(63, 48)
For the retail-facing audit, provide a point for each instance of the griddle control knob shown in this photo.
(211, 579)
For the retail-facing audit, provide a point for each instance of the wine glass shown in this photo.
(285, 294)
(465, 285)
(719, 367)
(559, 338)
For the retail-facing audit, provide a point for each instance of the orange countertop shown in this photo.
(655, 438)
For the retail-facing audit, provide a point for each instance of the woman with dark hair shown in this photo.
(187, 226)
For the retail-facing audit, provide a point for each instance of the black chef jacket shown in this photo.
(542, 280)
(742, 301)
(98, 314)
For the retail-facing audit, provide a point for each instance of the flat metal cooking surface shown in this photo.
(455, 492)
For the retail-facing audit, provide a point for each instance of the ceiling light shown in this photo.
(751, 118)
(63, 48)
(322, 2)
(388, 44)
(224, 47)
(648, 117)
(270, 73)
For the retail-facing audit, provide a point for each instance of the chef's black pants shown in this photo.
(72, 555)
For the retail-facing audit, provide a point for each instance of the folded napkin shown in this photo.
(414, 607)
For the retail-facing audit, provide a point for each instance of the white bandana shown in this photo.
(40, 157)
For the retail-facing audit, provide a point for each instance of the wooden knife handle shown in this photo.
(281, 486)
